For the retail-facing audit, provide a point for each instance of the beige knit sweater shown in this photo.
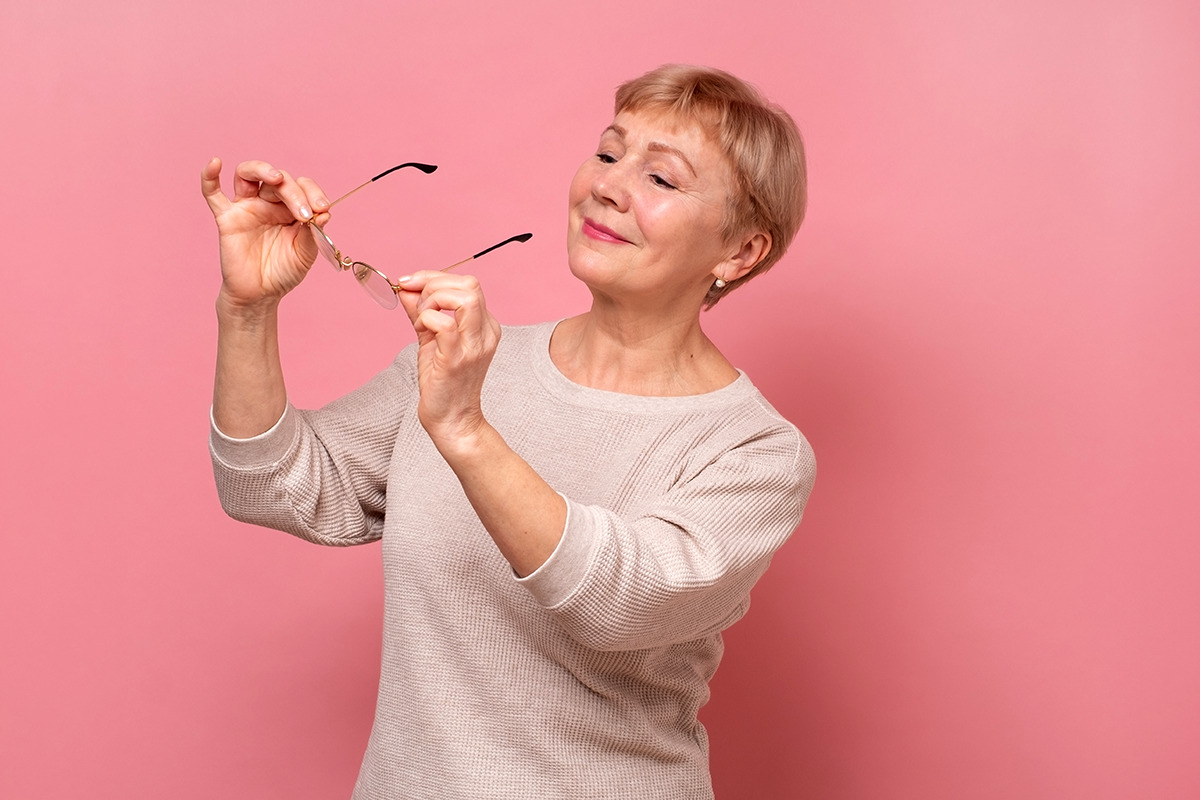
(584, 679)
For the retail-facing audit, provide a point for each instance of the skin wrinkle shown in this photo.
(656, 147)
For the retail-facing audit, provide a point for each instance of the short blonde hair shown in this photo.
(759, 139)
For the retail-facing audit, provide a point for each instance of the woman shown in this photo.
(570, 514)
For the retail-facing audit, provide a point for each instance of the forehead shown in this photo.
(673, 134)
(664, 127)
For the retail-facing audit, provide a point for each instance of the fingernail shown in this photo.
(274, 174)
(305, 212)
(403, 280)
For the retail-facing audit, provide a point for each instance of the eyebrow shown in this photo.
(656, 147)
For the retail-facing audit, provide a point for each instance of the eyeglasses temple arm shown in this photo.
(426, 168)
(524, 237)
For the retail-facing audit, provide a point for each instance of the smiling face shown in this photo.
(646, 213)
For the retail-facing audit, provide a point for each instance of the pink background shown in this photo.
(987, 327)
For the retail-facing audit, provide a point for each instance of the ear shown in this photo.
(751, 250)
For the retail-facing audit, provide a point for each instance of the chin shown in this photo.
(581, 263)
(589, 267)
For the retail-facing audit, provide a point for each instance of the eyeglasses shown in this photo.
(376, 284)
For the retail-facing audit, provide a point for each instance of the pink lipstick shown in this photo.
(595, 230)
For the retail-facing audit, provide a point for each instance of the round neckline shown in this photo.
(560, 385)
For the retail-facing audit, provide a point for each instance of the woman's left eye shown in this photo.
(661, 181)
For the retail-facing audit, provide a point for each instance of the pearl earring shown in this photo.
(719, 283)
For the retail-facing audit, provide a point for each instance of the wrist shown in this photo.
(463, 441)
(241, 313)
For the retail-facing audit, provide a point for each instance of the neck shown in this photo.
(640, 354)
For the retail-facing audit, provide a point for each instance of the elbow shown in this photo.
(682, 618)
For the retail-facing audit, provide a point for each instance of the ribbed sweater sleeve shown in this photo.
(320, 475)
(682, 568)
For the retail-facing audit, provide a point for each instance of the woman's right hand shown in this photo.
(266, 250)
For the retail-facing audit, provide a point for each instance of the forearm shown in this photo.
(522, 513)
(249, 394)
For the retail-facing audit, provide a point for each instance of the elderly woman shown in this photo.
(571, 513)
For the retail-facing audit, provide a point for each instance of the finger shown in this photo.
(442, 325)
(409, 302)
(449, 306)
(250, 176)
(446, 335)
(415, 282)
(474, 325)
(318, 201)
(274, 186)
(424, 289)
(210, 187)
(460, 294)
(429, 281)
(464, 287)
(452, 299)
(289, 192)
(476, 331)
(411, 292)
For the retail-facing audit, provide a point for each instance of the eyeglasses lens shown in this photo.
(376, 285)
(326, 248)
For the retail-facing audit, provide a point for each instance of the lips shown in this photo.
(595, 230)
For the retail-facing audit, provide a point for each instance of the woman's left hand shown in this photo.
(457, 338)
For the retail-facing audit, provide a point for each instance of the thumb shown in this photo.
(210, 187)
(409, 300)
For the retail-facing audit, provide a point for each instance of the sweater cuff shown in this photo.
(267, 448)
(556, 580)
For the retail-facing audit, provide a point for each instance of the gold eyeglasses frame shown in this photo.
(375, 283)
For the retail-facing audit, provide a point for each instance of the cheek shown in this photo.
(580, 186)
(689, 233)
(657, 217)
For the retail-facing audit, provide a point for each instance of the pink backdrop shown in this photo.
(988, 328)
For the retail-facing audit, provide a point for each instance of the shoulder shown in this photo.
(525, 337)
(751, 439)
(519, 348)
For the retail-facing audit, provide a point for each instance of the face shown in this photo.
(646, 212)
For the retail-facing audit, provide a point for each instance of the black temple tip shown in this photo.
(426, 168)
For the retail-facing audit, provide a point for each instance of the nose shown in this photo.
(610, 184)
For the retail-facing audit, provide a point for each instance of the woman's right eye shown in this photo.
(606, 158)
